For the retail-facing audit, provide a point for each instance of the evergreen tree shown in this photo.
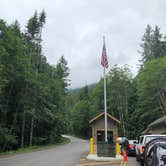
(62, 72)
(154, 45)
(33, 26)
(147, 44)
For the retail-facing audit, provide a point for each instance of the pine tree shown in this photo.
(34, 29)
(33, 26)
(154, 45)
(147, 44)
(62, 72)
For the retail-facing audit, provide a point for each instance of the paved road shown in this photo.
(65, 155)
(132, 162)
(84, 162)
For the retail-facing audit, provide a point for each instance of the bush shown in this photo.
(7, 141)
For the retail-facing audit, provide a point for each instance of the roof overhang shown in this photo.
(108, 115)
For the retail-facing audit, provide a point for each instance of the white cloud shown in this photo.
(75, 28)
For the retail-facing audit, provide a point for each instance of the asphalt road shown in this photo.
(65, 155)
(132, 162)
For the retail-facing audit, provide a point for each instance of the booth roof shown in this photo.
(108, 115)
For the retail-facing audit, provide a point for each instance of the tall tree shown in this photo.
(15, 69)
(151, 88)
(33, 26)
(34, 29)
(147, 44)
(62, 72)
(154, 44)
(119, 91)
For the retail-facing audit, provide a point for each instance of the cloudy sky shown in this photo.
(74, 28)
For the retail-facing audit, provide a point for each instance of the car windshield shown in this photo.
(162, 149)
(149, 138)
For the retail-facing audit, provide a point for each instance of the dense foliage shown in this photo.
(32, 92)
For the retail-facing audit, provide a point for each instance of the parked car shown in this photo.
(140, 147)
(155, 152)
(130, 148)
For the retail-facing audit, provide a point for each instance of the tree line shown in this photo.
(36, 106)
(32, 92)
(135, 101)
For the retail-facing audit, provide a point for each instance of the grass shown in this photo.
(34, 148)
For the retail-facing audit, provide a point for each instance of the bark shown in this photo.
(23, 130)
(120, 106)
(31, 131)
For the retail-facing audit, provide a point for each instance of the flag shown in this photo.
(104, 61)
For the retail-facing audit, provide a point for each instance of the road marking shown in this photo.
(96, 163)
(82, 159)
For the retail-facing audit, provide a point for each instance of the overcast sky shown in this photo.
(74, 28)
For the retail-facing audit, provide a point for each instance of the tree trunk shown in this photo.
(121, 114)
(31, 131)
(23, 130)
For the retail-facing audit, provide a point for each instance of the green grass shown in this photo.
(34, 148)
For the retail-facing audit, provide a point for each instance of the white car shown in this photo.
(140, 147)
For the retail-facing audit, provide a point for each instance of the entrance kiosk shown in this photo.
(101, 148)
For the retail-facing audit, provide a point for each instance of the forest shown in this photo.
(37, 106)
(32, 92)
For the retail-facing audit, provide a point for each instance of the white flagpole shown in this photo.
(105, 102)
(105, 107)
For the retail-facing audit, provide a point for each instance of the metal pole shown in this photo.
(105, 107)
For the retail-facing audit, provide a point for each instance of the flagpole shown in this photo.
(105, 102)
(105, 107)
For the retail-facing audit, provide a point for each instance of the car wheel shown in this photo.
(141, 163)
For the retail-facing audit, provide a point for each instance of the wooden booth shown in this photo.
(98, 134)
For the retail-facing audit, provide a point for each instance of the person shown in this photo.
(124, 161)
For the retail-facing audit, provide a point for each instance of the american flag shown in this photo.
(104, 61)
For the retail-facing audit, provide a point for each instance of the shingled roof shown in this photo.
(161, 120)
(102, 114)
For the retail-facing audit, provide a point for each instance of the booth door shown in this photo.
(100, 136)
(105, 149)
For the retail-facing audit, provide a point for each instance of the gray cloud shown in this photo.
(75, 28)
